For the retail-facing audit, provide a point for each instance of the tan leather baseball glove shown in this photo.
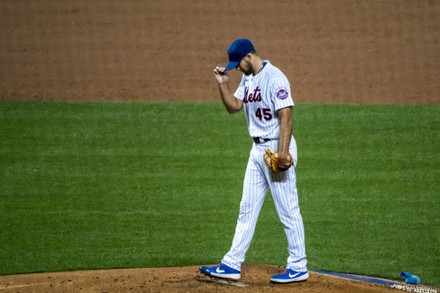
(271, 161)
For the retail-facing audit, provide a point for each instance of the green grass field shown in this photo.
(118, 185)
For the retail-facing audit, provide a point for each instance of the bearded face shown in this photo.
(245, 66)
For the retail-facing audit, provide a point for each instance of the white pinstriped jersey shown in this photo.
(263, 94)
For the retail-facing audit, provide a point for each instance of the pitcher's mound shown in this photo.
(255, 278)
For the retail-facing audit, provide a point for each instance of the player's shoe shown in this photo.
(290, 276)
(221, 271)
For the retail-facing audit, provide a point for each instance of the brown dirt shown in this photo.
(340, 51)
(255, 278)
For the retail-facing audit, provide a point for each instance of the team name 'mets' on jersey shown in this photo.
(263, 95)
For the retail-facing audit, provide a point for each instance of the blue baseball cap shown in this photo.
(238, 49)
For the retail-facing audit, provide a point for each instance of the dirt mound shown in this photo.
(255, 278)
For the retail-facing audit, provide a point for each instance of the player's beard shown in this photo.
(247, 69)
(248, 72)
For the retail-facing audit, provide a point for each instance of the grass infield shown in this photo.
(118, 185)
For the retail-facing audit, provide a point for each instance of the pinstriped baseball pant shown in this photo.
(257, 182)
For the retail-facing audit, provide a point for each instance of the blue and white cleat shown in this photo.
(290, 276)
(222, 271)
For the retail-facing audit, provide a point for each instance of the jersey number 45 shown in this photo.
(264, 113)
